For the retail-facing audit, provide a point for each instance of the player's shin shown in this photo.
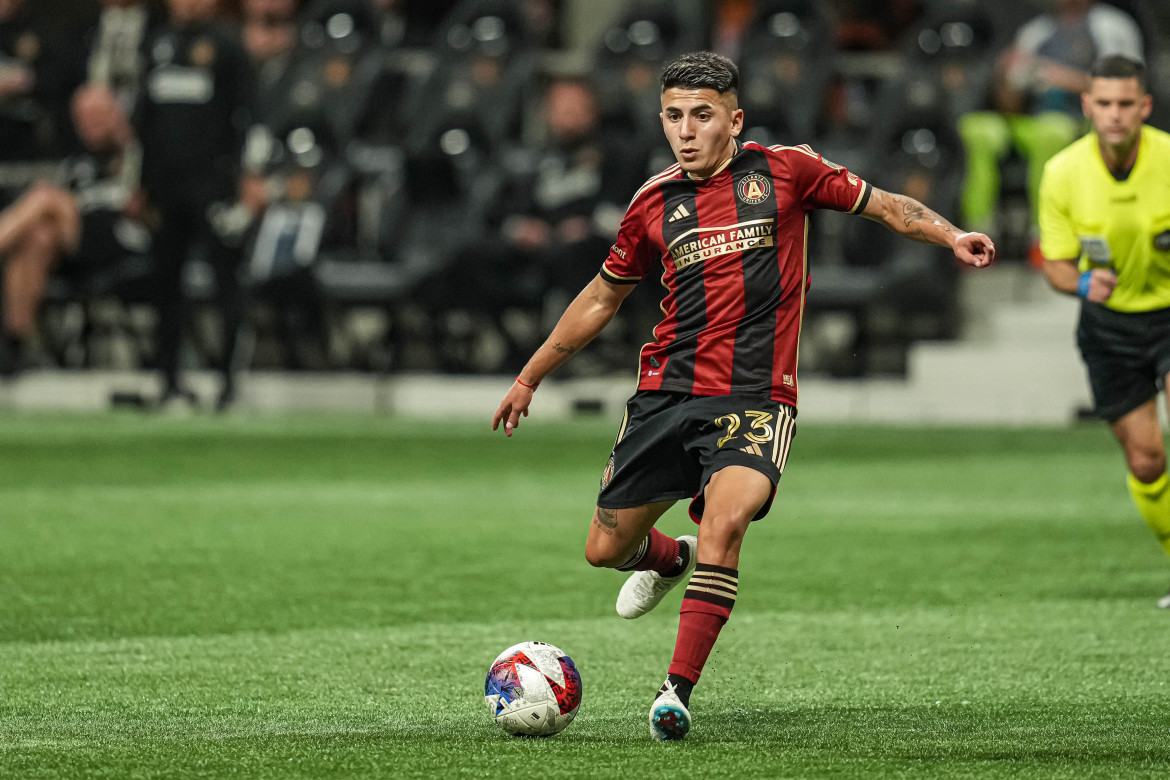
(706, 606)
(1153, 501)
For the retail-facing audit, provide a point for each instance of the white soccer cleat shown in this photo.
(644, 589)
(1163, 603)
(669, 717)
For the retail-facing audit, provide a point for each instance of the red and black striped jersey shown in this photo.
(734, 259)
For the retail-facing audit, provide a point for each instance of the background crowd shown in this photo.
(421, 184)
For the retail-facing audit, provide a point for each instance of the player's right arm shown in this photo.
(585, 317)
(593, 308)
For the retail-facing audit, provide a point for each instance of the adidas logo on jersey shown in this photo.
(679, 213)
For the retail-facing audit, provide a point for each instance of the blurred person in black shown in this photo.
(269, 28)
(558, 210)
(38, 72)
(564, 200)
(192, 120)
(115, 54)
(86, 222)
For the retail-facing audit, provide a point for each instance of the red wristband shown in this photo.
(522, 383)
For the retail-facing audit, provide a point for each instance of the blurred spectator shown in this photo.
(191, 121)
(563, 202)
(269, 28)
(269, 34)
(38, 72)
(541, 18)
(864, 25)
(1039, 80)
(87, 223)
(421, 18)
(629, 60)
(485, 66)
(115, 54)
(731, 19)
(789, 59)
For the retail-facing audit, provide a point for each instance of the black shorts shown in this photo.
(106, 238)
(1127, 356)
(671, 444)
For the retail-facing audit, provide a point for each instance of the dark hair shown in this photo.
(701, 70)
(1116, 66)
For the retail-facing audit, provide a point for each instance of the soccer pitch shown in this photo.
(321, 597)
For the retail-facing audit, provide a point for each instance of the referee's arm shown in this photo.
(1095, 285)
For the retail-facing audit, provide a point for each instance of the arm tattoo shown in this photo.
(569, 349)
(913, 211)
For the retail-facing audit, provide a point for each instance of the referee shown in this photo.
(1105, 235)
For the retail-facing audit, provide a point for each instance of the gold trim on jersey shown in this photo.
(800, 315)
(655, 180)
(804, 149)
(865, 187)
(717, 171)
(618, 279)
(782, 444)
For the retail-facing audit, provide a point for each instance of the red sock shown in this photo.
(658, 552)
(705, 608)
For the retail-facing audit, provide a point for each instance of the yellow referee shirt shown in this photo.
(1087, 214)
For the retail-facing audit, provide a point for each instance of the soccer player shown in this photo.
(1105, 236)
(714, 412)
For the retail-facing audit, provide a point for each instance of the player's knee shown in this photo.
(603, 554)
(725, 528)
(1147, 465)
(596, 558)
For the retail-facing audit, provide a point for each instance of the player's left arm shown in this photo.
(907, 217)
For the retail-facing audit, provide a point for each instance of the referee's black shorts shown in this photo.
(1127, 356)
(671, 444)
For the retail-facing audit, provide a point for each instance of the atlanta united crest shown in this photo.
(754, 188)
(607, 475)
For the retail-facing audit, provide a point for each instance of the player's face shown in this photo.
(700, 125)
(1117, 108)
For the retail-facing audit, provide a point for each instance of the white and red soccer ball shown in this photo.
(533, 689)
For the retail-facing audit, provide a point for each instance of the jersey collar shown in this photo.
(721, 168)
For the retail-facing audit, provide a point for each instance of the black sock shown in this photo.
(682, 686)
(681, 562)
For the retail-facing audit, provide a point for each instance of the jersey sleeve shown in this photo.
(1058, 236)
(822, 184)
(631, 255)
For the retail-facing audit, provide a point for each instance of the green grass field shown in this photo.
(321, 597)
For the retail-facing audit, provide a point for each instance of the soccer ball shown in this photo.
(533, 689)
